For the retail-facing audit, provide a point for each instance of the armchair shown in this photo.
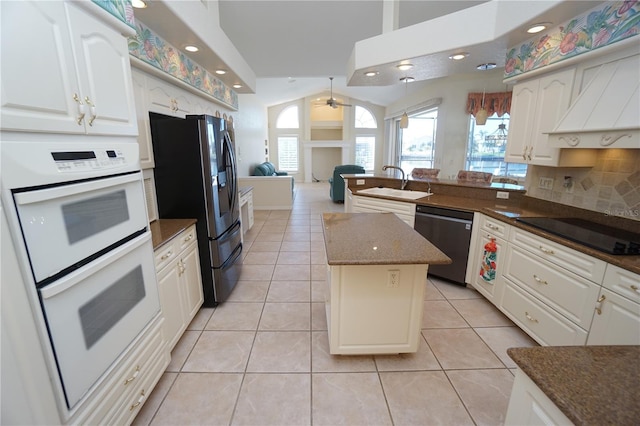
(336, 188)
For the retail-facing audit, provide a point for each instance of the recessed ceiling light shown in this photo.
(487, 66)
(237, 86)
(190, 48)
(404, 67)
(459, 56)
(371, 73)
(536, 28)
(138, 4)
(220, 72)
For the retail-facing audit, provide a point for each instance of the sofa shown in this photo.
(267, 169)
(336, 183)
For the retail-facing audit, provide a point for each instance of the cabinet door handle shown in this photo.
(524, 153)
(167, 255)
(539, 280)
(601, 299)
(634, 288)
(92, 108)
(138, 402)
(133, 377)
(530, 318)
(81, 112)
(529, 154)
(545, 250)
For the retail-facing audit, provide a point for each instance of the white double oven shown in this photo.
(79, 224)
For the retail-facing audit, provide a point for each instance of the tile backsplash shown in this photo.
(611, 187)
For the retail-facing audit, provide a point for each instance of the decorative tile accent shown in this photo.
(120, 9)
(155, 51)
(605, 24)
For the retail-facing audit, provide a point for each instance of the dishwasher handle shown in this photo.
(447, 218)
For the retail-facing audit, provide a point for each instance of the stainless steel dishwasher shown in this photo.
(450, 231)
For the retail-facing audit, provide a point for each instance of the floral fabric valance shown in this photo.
(499, 102)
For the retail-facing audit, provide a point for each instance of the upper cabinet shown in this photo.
(167, 99)
(537, 105)
(80, 80)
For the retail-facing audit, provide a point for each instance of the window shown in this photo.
(487, 145)
(416, 143)
(287, 139)
(288, 153)
(365, 125)
(365, 151)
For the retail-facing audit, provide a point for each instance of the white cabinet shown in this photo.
(405, 211)
(617, 311)
(164, 98)
(142, 113)
(246, 209)
(484, 265)
(536, 107)
(528, 405)
(69, 72)
(179, 283)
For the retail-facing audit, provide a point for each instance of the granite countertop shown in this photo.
(163, 230)
(376, 239)
(591, 385)
(507, 211)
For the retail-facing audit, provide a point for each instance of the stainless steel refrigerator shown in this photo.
(195, 176)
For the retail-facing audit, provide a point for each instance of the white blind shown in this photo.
(365, 151)
(288, 153)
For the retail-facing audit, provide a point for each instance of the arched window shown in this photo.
(365, 125)
(287, 140)
(364, 119)
(288, 118)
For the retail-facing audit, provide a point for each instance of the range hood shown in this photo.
(606, 114)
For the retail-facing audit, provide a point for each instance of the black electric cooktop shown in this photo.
(600, 237)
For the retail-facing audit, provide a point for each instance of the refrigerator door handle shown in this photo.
(232, 160)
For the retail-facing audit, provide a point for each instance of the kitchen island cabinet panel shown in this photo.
(405, 211)
(86, 86)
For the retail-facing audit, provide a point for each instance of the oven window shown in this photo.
(98, 315)
(88, 217)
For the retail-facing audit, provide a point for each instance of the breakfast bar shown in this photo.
(375, 284)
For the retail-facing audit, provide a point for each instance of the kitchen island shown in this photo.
(375, 284)
(583, 385)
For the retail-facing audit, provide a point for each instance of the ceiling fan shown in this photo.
(333, 102)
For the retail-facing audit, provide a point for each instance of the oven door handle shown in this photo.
(81, 274)
(37, 196)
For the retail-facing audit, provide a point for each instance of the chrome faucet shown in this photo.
(403, 184)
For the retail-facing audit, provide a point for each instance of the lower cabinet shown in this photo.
(126, 388)
(557, 295)
(179, 283)
(528, 405)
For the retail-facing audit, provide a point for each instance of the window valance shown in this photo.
(499, 103)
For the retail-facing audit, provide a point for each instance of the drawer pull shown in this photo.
(634, 288)
(167, 255)
(546, 250)
(530, 318)
(132, 378)
(539, 280)
(138, 402)
(601, 299)
(188, 238)
(495, 228)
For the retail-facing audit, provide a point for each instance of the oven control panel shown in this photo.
(83, 161)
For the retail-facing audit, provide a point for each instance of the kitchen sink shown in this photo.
(396, 193)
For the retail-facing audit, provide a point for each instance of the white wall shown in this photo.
(251, 131)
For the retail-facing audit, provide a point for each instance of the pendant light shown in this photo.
(481, 115)
(404, 120)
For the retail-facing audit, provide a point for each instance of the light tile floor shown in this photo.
(262, 357)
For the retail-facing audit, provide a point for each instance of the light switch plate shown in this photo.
(503, 195)
(545, 183)
(359, 181)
